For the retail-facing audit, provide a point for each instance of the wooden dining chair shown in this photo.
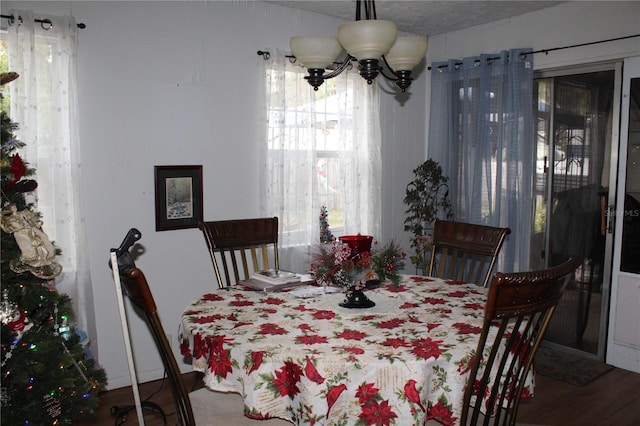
(465, 251)
(240, 247)
(200, 407)
(519, 308)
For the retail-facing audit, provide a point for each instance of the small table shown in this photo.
(310, 361)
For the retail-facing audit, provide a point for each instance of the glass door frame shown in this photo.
(621, 354)
(612, 164)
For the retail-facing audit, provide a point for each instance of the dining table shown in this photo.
(298, 355)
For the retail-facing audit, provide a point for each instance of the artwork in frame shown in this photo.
(178, 197)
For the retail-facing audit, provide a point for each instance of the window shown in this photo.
(322, 149)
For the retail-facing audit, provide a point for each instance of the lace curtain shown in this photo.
(43, 103)
(305, 133)
(481, 133)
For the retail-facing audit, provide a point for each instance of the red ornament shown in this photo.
(18, 169)
(19, 323)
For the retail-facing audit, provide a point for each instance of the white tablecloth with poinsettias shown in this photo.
(308, 360)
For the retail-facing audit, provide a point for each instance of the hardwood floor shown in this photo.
(611, 400)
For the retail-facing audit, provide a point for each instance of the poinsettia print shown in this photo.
(324, 314)
(375, 411)
(208, 319)
(271, 328)
(396, 342)
(212, 297)
(286, 379)
(442, 413)
(367, 393)
(311, 339)
(464, 328)
(392, 323)
(352, 335)
(434, 300)
(427, 348)
(219, 362)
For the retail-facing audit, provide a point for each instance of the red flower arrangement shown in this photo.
(333, 264)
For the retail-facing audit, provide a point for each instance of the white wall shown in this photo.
(169, 83)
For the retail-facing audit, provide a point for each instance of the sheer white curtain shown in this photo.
(481, 132)
(320, 148)
(43, 103)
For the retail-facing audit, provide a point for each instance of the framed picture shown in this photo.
(178, 197)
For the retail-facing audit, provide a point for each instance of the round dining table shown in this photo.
(298, 355)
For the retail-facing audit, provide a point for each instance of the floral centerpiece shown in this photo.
(333, 264)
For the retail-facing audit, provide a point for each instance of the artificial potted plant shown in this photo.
(427, 199)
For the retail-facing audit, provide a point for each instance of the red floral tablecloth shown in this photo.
(310, 361)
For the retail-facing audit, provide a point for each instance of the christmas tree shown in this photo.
(48, 378)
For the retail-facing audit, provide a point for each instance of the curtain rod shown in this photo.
(42, 22)
(546, 51)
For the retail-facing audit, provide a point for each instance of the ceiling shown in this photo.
(427, 17)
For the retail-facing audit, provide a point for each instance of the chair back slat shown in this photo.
(518, 311)
(465, 251)
(249, 245)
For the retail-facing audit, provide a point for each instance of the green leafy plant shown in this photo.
(427, 199)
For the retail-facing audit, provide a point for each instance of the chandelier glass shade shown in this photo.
(369, 42)
(368, 39)
(316, 52)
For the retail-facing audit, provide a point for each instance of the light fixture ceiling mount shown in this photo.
(368, 41)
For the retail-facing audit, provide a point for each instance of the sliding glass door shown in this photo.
(575, 115)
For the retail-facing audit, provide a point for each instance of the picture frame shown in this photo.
(178, 191)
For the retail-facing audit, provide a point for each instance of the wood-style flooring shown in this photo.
(611, 400)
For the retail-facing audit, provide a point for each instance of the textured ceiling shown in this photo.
(427, 17)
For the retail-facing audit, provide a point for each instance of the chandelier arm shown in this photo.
(343, 65)
(394, 76)
(371, 11)
(401, 78)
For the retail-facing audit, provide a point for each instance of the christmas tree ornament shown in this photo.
(52, 406)
(38, 253)
(18, 169)
(12, 316)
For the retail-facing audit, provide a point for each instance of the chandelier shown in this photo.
(370, 42)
